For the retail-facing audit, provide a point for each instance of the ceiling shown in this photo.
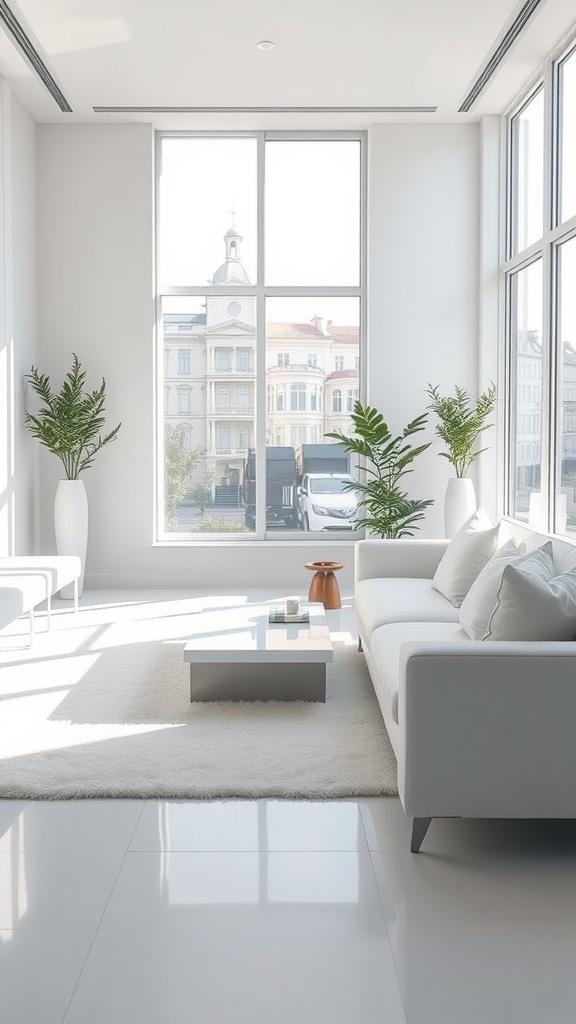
(327, 54)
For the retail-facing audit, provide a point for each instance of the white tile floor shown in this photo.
(272, 912)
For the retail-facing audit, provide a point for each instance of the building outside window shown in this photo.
(298, 397)
(184, 361)
(183, 401)
(223, 398)
(223, 361)
(209, 288)
(338, 362)
(243, 360)
(538, 278)
(337, 400)
(351, 397)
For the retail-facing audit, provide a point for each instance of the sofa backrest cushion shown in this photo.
(465, 556)
(530, 607)
(480, 601)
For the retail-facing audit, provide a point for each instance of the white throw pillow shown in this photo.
(466, 554)
(531, 608)
(478, 605)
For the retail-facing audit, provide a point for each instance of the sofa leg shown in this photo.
(360, 648)
(420, 827)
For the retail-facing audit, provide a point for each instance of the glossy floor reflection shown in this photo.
(277, 912)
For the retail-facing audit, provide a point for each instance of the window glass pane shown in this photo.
(526, 426)
(568, 138)
(313, 213)
(209, 419)
(304, 408)
(528, 183)
(566, 499)
(207, 197)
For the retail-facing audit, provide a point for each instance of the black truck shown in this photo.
(280, 487)
(285, 468)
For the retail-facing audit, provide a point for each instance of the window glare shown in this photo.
(526, 333)
(313, 205)
(566, 496)
(528, 197)
(568, 138)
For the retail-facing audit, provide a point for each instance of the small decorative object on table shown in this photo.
(324, 587)
(280, 614)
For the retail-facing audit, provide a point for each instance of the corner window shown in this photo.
(538, 284)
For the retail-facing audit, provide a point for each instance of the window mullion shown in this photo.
(260, 415)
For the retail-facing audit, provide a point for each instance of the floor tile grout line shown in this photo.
(97, 929)
(371, 856)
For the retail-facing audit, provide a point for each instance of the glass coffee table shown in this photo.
(237, 654)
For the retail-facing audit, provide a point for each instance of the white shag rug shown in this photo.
(111, 717)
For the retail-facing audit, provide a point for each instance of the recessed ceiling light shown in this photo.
(265, 44)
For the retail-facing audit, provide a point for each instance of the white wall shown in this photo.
(18, 477)
(23, 172)
(95, 192)
(423, 273)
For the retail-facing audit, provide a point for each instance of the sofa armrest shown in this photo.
(487, 729)
(409, 557)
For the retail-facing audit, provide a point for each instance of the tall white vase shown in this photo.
(71, 526)
(459, 503)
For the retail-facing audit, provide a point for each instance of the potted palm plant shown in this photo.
(388, 511)
(69, 424)
(460, 421)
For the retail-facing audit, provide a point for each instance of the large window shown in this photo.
(274, 224)
(539, 279)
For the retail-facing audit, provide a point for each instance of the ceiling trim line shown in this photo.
(31, 55)
(264, 110)
(490, 68)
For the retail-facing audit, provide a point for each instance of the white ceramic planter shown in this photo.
(459, 503)
(71, 526)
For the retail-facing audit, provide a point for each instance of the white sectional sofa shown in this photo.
(28, 580)
(480, 728)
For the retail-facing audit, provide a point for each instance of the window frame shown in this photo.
(261, 292)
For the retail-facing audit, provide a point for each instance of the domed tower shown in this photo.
(231, 272)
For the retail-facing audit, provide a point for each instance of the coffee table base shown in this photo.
(267, 681)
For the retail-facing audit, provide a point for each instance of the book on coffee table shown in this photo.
(279, 615)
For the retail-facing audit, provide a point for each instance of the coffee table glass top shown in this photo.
(244, 633)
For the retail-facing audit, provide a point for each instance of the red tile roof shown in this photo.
(308, 332)
(338, 374)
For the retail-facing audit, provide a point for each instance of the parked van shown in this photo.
(326, 503)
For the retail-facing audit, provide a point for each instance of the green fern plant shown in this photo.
(460, 422)
(389, 512)
(70, 420)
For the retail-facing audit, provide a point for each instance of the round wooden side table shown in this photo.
(324, 587)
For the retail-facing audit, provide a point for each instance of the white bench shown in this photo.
(27, 580)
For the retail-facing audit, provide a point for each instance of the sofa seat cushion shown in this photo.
(385, 644)
(380, 601)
